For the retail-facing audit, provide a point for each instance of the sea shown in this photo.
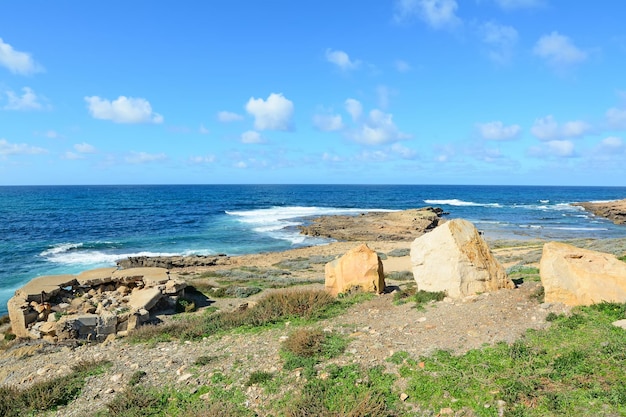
(46, 230)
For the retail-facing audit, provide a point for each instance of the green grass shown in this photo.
(420, 298)
(50, 394)
(297, 306)
(400, 275)
(253, 277)
(305, 348)
(622, 258)
(170, 402)
(577, 367)
(346, 391)
(523, 273)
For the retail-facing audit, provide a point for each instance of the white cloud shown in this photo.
(271, 114)
(384, 93)
(51, 134)
(84, 148)
(519, 4)
(328, 122)
(402, 66)
(251, 137)
(328, 157)
(612, 142)
(562, 148)
(546, 129)
(8, 148)
(208, 159)
(403, 151)
(498, 131)
(355, 108)
(372, 156)
(203, 130)
(228, 116)
(500, 39)
(123, 110)
(241, 165)
(436, 13)
(17, 62)
(27, 101)
(553, 148)
(72, 156)
(341, 59)
(144, 157)
(616, 118)
(558, 50)
(378, 129)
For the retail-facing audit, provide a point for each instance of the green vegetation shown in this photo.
(47, 395)
(346, 391)
(523, 273)
(622, 258)
(184, 305)
(577, 367)
(399, 252)
(250, 276)
(399, 275)
(259, 377)
(278, 307)
(136, 377)
(420, 298)
(170, 402)
(305, 348)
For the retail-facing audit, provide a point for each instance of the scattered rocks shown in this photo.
(91, 305)
(172, 262)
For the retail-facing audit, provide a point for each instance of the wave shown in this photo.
(456, 202)
(280, 222)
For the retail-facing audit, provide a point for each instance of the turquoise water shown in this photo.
(67, 229)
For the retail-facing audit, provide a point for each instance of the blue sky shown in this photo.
(277, 91)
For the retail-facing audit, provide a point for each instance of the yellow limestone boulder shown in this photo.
(454, 258)
(359, 267)
(576, 276)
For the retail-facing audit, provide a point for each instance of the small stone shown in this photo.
(545, 306)
(404, 396)
(185, 377)
(116, 378)
(421, 319)
(620, 323)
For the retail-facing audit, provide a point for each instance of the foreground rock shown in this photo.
(575, 276)
(359, 267)
(376, 226)
(91, 305)
(612, 210)
(454, 258)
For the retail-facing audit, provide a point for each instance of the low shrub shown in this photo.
(399, 252)
(399, 275)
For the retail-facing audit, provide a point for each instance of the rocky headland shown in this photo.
(612, 210)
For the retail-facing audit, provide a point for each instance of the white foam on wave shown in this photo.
(583, 229)
(280, 222)
(89, 257)
(456, 202)
(61, 248)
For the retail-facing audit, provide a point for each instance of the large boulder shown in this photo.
(454, 258)
(576, 276)
(359, 267)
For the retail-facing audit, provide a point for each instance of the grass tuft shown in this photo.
(47, 395)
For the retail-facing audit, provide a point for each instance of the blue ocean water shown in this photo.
(67, 229)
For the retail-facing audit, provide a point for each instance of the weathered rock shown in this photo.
(145, 298)
(575, 276)
(43, 288)
(398, 225)
(95, 277)
(359, 267)
(454, 258)
(149, 276)
(612, 210)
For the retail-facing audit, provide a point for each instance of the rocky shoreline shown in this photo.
(612, 210)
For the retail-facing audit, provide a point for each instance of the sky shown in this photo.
(506, 92)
